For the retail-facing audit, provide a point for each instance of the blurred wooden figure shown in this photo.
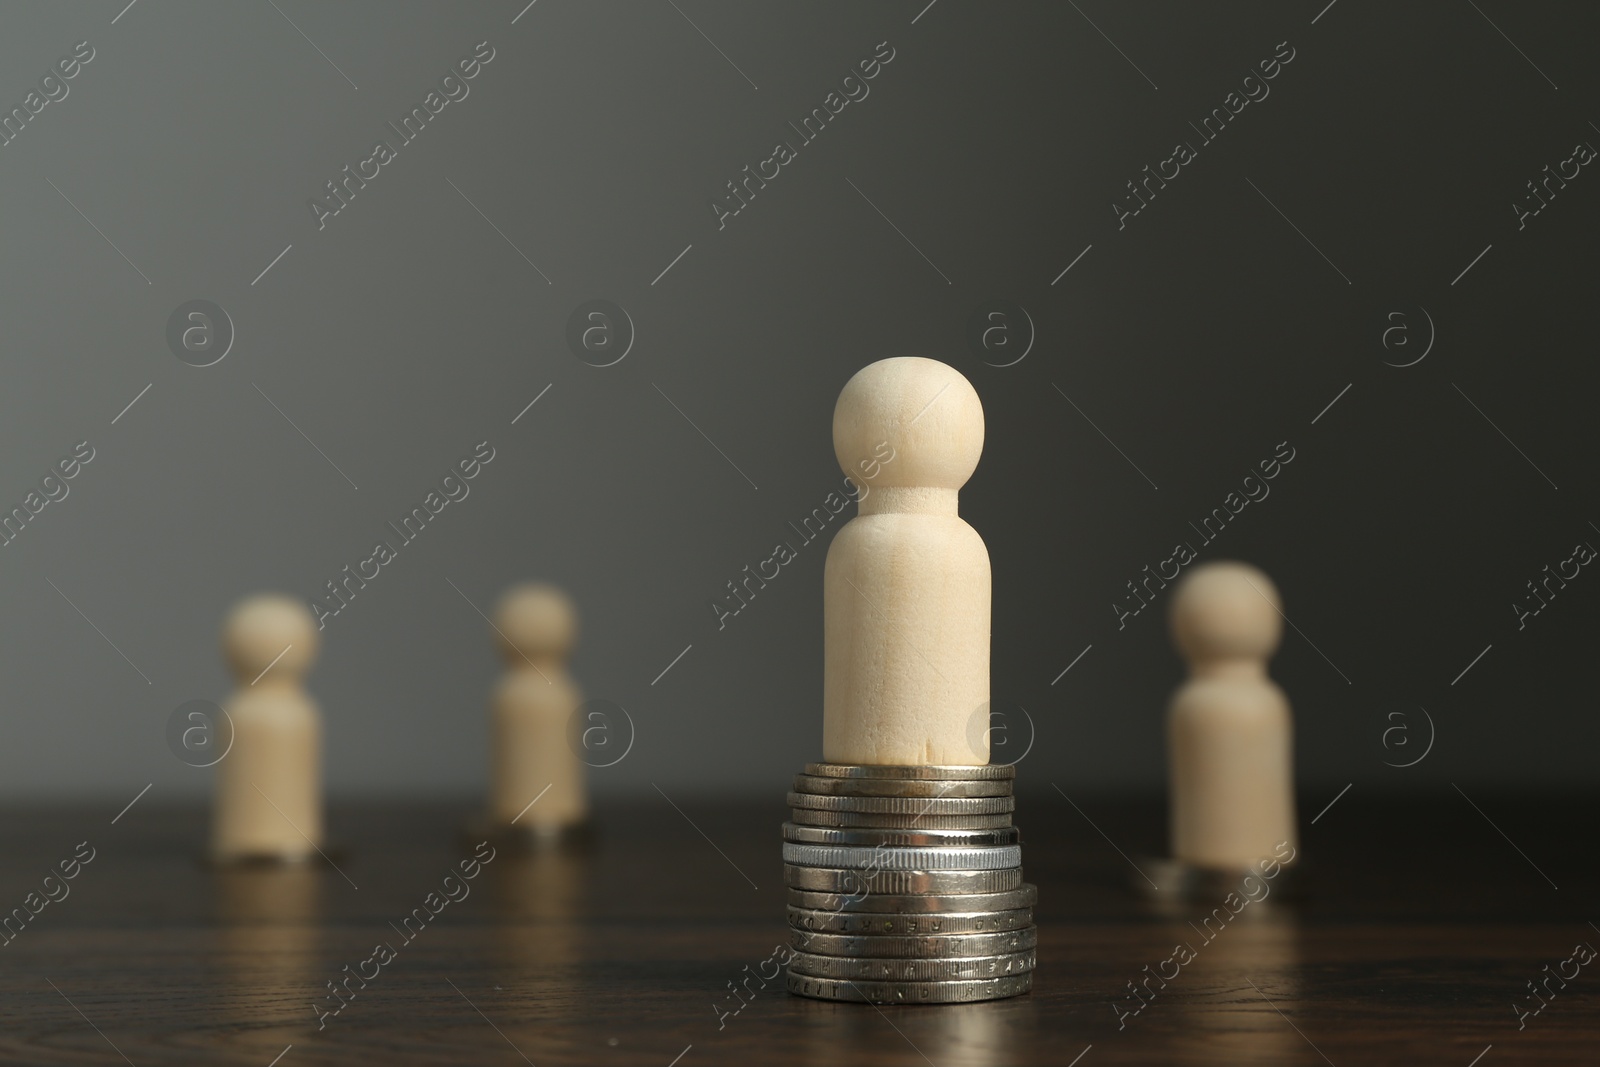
(269, 785)
(536, 779)
(1229, 729)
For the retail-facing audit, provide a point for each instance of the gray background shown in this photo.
(1197, 338)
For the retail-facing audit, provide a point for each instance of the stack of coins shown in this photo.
(905, 885)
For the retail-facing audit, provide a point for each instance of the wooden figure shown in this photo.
(531, 742)
(1229, 730)
(269, 785)
(906, 587)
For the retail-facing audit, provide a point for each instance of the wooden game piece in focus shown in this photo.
(906, 588)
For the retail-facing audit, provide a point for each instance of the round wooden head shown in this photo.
(269, 630)
(535, 621)
(918, 411)
(1226, 610)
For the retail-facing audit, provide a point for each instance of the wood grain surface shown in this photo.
(1424, 923)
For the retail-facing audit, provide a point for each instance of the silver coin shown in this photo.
(986, 773)
(1024, 896)
(903, 859)
(899, 787)
(824, 835)
(924, 924)
(869, 821)
(905, 805)
(888, 970)
(910, 992)
(942, 946)
(894, 883)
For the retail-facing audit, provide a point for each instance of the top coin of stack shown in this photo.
(905, 885)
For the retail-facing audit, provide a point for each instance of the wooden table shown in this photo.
(1423, 928)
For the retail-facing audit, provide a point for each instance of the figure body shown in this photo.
(1229, 730)
(531, 727)
(269, 785)
(906, 587)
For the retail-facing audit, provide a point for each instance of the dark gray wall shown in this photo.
(1197, 335)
